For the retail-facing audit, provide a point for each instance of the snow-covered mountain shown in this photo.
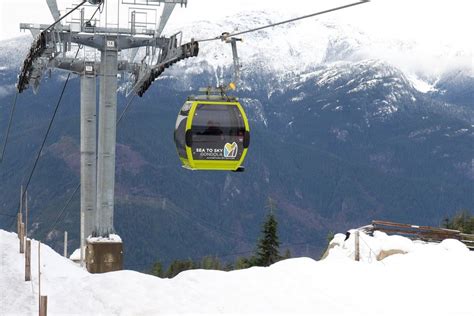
(395, 276)
(345, 128)
(297, 48)
(283, 58)
(291, 50)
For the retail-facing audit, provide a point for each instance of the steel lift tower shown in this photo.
(53, 47)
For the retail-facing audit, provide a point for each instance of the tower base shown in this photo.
(104, 255)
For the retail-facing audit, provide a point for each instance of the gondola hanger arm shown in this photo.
(225, 37)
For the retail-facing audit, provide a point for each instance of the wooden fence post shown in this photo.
(19, 220)
(28, 260)
(22, 238)
(43, 306)
(65, 244)
(357, 246)
(43, 299)
(26, 214)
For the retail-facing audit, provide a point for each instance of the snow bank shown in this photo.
(76, 255)
(111, 238)
(429, 279)
(381, 246)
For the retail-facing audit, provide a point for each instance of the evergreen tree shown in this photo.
(242, 263)
(446, 223)
(229, 267)
(157, 270)
(267, 253)
(330, 236)
(178, 266)
(268, 247)
(211, 263)
(462, 221)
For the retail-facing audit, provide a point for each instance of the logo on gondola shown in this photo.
(230, 150)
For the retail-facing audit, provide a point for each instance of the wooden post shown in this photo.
(18, 224)
(26, 214)
(22, 238)
(65, 244)
(28, 260)
(39, 277)
(19, 218)
(43, 306)
(43, 300)
(83, 241)
(357, 247)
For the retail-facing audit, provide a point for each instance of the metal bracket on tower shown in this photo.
(53, 8)
(145, 76)
(155, 2)
(167, 10)
(31, 70)
(89, 69)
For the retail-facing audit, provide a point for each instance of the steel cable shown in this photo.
(284, 22)
(76, 189)
(7, 133)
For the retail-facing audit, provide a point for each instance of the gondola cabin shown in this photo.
(212, 133)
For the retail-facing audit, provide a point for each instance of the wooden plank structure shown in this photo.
(425, 233)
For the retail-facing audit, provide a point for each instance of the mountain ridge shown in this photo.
(335, 144)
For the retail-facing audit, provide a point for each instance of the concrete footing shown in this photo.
(104, 256)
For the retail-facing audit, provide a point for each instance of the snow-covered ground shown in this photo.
(428, 280)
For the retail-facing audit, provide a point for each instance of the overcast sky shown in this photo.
(434, 21)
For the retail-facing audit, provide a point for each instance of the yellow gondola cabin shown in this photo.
(212, 133)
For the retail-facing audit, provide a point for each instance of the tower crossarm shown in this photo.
(76, 28)
(121, 42)
(49, 45)
(96, 36)
(155, 2)
(78, 66)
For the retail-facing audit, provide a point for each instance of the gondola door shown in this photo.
(217, 136)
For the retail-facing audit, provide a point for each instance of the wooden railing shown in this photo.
(425, 233)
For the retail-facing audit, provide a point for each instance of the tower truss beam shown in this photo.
(107, 139)
(50, 50)
(88, 152)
